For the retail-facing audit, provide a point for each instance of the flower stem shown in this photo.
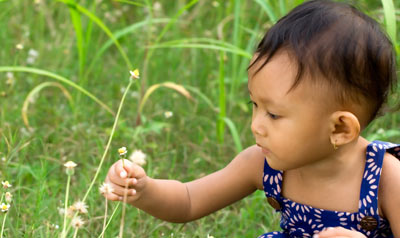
(107, 146)
(63, 233)
(121, 228)
(2, 226)
(76, 232)
(105, 219)
(109, 141)
(109, 220)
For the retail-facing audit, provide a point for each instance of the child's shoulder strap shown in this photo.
(272, 182)
(368, 203)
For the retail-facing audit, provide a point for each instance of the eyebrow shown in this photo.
(266, 100)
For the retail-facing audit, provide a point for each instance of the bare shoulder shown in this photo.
(389, 191)
(251, 163)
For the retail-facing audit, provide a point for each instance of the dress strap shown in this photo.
(272, 182)
(368, 203)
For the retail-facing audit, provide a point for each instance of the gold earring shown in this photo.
(335, 146)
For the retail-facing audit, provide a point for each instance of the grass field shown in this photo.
(64, 68)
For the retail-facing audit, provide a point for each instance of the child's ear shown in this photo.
(344, 127)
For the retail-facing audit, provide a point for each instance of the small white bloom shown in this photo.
(5, 207)
(3, 158)
(215, 4)
(80, 206)
(168, 114)
(55, 226)
(134, 74)
(138, 157)
(6, 184)
(70, 211)
(8, 197)
(208, 236)
(106, 188)
(30, 60)
(381, 131)
(19, 46)
(70, 164)
(10, 75)
(157, 6)
(77, 222)
(122, 151)
(33, 53)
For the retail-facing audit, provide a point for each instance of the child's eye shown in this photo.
(251, 102)
(273, 116)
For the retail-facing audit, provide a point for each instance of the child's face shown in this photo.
(292, 128)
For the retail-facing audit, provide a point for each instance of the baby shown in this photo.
(319, 76)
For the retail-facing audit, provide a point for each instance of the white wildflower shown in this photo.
(80, 206)
(106, 188)
(19, 46)
(134, 74)
(138, 157)
(122, 151)
(70, 164)
(168, 114)
(5, 207)
(77, 222)
(6, 184)
(8, 196)
(33, 53)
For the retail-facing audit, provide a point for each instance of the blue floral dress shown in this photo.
(298, 220)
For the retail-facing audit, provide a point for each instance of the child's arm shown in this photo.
(389, 192)
(175, 201)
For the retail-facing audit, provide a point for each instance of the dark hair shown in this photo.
(340, 43)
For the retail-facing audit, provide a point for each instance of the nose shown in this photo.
(258, 125)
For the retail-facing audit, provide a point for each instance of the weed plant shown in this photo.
(64, 67)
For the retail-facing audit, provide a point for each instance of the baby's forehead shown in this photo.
(278, 77)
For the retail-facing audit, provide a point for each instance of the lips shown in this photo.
(263, 149)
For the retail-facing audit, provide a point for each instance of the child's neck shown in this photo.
(340, 164)
(323, 184)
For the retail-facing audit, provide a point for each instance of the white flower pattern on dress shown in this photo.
(299, 220)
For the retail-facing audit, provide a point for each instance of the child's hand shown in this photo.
(130, 174)
(338, 232)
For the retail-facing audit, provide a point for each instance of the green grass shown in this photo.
(86, 50)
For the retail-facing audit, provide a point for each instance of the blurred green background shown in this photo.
(64, 66)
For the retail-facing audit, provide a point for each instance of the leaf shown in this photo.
(179, 88)
(35, 91)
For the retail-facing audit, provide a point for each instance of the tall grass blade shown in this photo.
(131, 3)
(222, 101)
(100, 23)
(234, 133)
(119, 34)
(202, 96)
(390, 18)
(203, 46)
(57, 77)
(282, 7)
(34, 92)
(235, 42)
(80, 43)
(390, 22)
(179, 88)
(265, 4)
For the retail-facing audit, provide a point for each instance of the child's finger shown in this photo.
(129, 170)
(112, 197)
(120, 190)
(122, 169)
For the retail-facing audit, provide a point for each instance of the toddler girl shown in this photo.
(318, 78)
